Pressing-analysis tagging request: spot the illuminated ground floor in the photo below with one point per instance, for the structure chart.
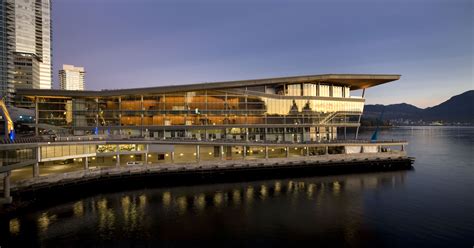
(67, 157)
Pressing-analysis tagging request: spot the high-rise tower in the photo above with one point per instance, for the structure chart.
(71, 78)
(25, 45)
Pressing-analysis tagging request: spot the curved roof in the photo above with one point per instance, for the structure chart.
(354, 81)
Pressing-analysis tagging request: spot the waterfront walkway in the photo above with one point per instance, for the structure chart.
(90, 174)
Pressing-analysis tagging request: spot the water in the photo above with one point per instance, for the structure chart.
(431, 206)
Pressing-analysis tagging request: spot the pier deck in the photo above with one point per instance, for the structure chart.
(327, 164)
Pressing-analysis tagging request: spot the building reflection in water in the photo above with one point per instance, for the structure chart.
(332, 200)
(14, 226)
(78, 208)
(44, 220)
(236, 198)
(106, 219)
(166, 199)
(200, 202)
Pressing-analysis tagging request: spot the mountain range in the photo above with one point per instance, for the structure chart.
(458, 109)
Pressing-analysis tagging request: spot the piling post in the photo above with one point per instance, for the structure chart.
(36, 169)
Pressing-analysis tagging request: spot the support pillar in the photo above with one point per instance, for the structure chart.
(146, 158)
(86, 163)
(36, 165)
(266, 152)
(221, 152)
(197, 153)
(360, 116)
(327, 150)
(287, 152)
(244, 151)
(172, 157)
(118, 157)
(403, 148)
(36, 117)
(307, 151)
(36, 169)
(6, 187)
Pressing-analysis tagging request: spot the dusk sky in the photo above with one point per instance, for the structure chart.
(144, 43)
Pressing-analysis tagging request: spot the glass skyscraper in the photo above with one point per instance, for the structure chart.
(25, 45)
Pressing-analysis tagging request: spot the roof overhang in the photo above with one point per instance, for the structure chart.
(354, 81)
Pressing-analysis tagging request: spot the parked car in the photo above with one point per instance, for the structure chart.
(134, 163)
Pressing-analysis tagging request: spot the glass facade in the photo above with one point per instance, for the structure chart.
(290, 112)
(55, 151)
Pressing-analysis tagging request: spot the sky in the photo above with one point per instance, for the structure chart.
(144, 43)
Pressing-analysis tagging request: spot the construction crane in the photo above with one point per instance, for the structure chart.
(9, 128)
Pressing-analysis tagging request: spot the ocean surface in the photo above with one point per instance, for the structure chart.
(430, 206)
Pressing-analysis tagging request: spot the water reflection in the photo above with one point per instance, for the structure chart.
(78, 208)
(14, 226)
(133, 213)
(44, 220)
(106, 219)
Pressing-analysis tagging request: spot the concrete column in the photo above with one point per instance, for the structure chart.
(6, 187)
(36, 165)
(266, 152)
(86, 163)
(172, 157)
(362, 149)
(287, 152)
(307, 151)
(36, 169)
(360, 116)
(244, 151)
(221, 152)
(146, 158)
(403, 148)
(197, 153)
(118, 156)
(327, 150)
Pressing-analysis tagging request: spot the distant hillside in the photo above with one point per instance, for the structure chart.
(393, 111)
(458, 108)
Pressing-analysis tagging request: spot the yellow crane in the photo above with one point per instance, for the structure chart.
(10, 131)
